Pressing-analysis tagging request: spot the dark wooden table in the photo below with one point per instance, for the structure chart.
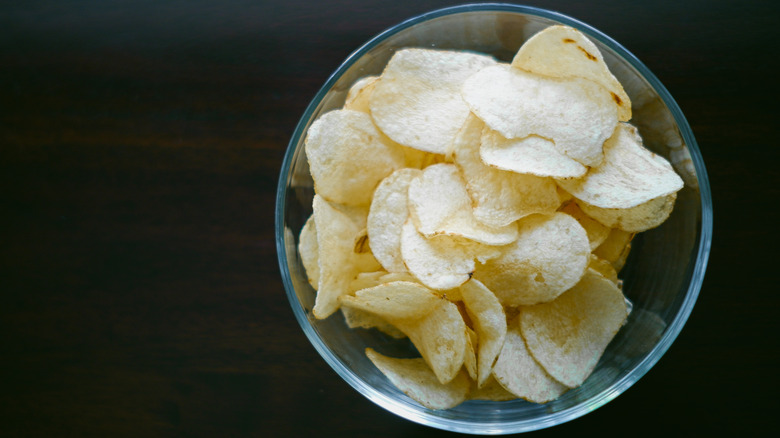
(140, 146)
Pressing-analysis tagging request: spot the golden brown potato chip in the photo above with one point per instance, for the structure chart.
(489, 321)
(470, 358)
(440, 337)
(387, 216)
(630, 175)
(417, 100)
(518, 104)
(597, 233)
(528, 155)
(568, 335)
(309, 251)
(519, 373)
(603, 267)
(562, 52)
(416, 380)
(348, 156)
(499, 197)
(615, 248)
(439, 204)
(549, 256)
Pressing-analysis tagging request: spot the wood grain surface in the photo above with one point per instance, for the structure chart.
(140, 147)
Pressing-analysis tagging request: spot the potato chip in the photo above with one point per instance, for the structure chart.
(439, 204)
(532, 155)
(364, 280)
(549, 256)
(519, 373)
(356, 318)
(491, 390)
(615, 248)
(629, 176)
(563, 52)
(634, 219)
(309, 251)
(386, 217)
(470, 357)
(597, 233)
(417, 101)
(489, 321)
(416, 380)
(396, 300)
(440, 337)
(348, 156)
(576, 114)
(603, 267)
(442, 262)
(499, 197)
(359, 94)
(567, 336)
(338, 263)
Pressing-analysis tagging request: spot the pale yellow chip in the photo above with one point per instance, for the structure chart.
(470, 357)
(490, 391)
(441, 262)
(597, 232)
(519, 373)
(309, 251)
(634, 219)
(364, 280)
(348, 156)
(417, 100)
(499, 197)
(603, 267)
(359, 94)
(567, 336)
(615, 248)
(630, 175)
(396, 300)
(338, 262)
(489, 321)
(531, 155)
(356, 318)
(578, 115)
(439, 204)
(387, 216)
(440, 337)
(561, 51)
(549, 256)
(415, 379)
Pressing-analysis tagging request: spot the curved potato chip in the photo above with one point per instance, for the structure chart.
(441, 262)
(417, 100)
(415, 379)
(489, 321)
(630, 175)
(348, 156)
(597, 233)
(470, 358)
(615, 248)
(356, 318)
(549, 256)
(518, 372)
(603, 267)
(491, 391)
(440, 204)
(533, 155)
(576, 114)
(386, 217)
(309, 251)
(440, 337)
(499, 197)
(396, 300)
(561, 52)
(359, 94)
(567, 336)
(634, 219)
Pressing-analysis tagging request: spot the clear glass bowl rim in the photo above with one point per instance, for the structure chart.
(618, 387)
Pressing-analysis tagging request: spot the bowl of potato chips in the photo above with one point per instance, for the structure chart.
(492, 219)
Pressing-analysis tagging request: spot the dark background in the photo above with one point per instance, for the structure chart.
(140, 146)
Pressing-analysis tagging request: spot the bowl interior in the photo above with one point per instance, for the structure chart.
(662, 276)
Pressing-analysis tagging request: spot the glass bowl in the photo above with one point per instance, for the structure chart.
(662, 276)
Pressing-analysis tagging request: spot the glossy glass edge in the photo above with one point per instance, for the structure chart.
(616, 388)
